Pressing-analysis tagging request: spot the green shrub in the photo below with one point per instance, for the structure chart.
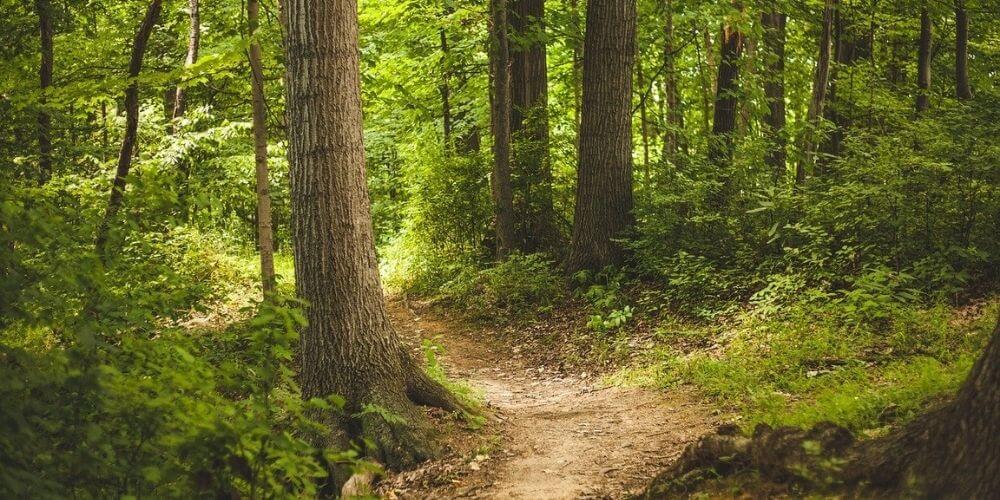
(516, 286)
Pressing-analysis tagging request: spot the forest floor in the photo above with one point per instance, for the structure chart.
(549, 434)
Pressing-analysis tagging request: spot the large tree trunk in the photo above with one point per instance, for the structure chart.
(924, 62)
(817, 104)
(774, 89)
(720, 151)
(604, 175)
(194, 37)
(962, 88)
(502, 190)
(529, 128)
(671, 89)
(265, 235)
(44, 10)
(131, 125)
(349, 346)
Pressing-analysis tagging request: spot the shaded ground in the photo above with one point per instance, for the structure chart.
(551, 435)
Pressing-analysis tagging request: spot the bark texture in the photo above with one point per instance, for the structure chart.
(924, 62)
(131, 125)
(774, 89)
(962, 88)
(604, 175)
(502, 189)
(194, 38)
(529, 128)
(43, 8)
(349, 347)
(265, 235)
(817, 103)
(724, 118)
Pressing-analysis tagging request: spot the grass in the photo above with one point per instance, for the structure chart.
(812, 364)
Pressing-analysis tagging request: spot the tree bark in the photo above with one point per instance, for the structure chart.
(817, 104)
(502, 190)
(962, 88)
(924, 62)
(724, 119)
(604, 176)
(265, 235)
(774, 89)
(43, 9)
(349, 346)
(194, 37)
(529, 126)
(671, 89)
(131, 126)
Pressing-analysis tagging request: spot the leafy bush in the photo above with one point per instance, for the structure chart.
(164, 417)
(514, 287)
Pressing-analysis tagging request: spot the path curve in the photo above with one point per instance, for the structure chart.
(562, 436)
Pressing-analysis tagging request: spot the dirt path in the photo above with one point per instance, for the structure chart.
(560, 437)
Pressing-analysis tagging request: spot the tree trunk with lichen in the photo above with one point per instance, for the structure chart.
(349, 347)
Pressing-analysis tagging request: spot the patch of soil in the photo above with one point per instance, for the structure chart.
(550, 434)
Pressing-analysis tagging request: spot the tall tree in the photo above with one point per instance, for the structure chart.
(773, 23)
(349, 346)
(820, 85)
(962, 88)
(671, 89)
(724, 119)
(604, 174)
(43, 8)
(924, 62)
(529, 127)
(194, 38)
(265, 236)
(131, 125)
(501, 188)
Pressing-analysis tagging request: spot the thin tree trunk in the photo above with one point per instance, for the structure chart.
(349, 346)
(774, 89)
(265, 235)
(444, 87)
(724, 118)
(643, 121)
(503, 198)
(131, 126)
(962, 88)
(577, 69)
(529, 127)
(817, 104)
(671, 90)
(604, 177)
(194, 37)
(44, 11)
(924, 62)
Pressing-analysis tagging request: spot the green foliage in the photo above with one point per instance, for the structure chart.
(171, 416)
(471, 397)
(515, 287)
(822, 362)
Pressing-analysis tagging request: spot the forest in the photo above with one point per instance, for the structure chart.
(499, 249)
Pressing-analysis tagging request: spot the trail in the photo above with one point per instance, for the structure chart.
(560, 436)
